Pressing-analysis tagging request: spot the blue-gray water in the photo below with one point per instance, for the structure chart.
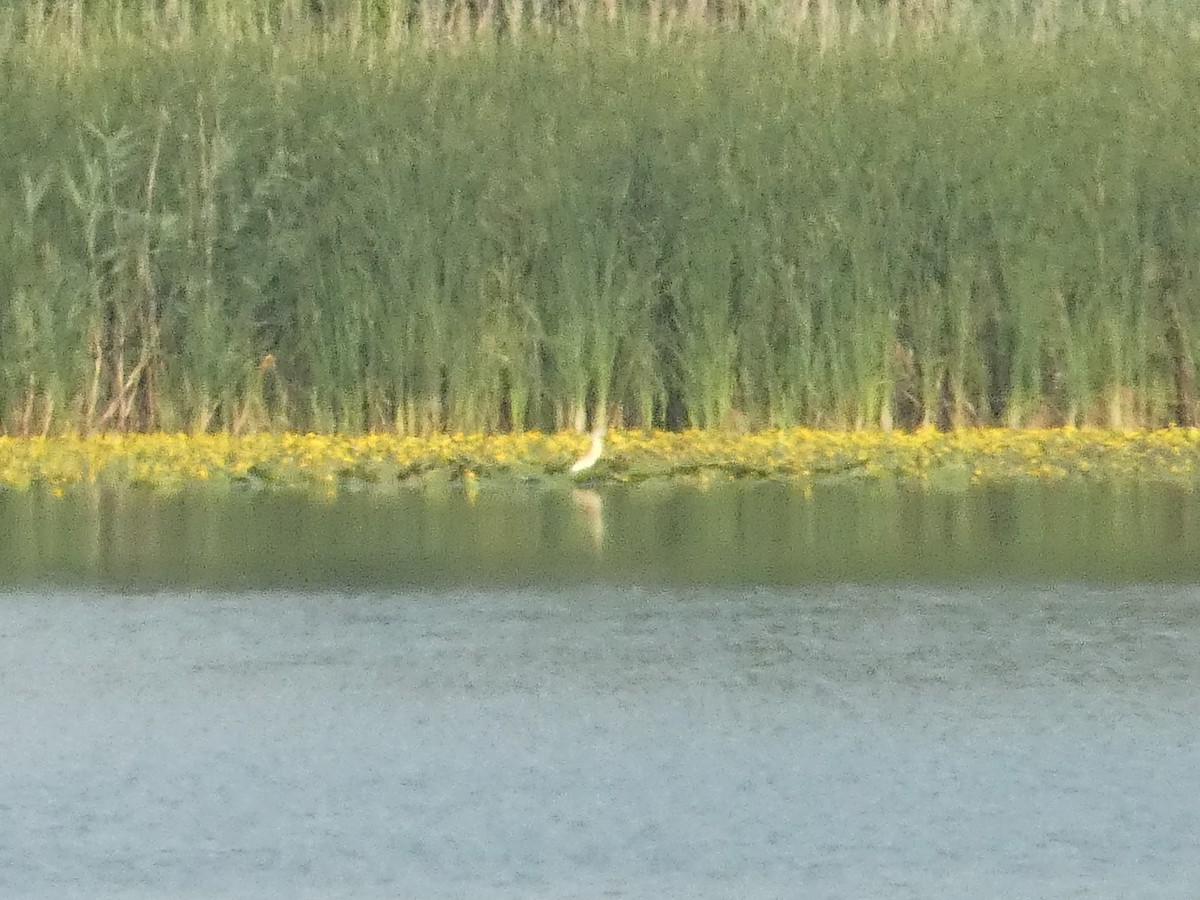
(829, 740)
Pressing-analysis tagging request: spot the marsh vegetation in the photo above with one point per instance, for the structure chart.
(417, 218)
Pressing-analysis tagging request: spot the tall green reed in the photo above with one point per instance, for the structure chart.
(217, 221)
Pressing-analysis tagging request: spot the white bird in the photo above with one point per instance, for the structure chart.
(594, 452)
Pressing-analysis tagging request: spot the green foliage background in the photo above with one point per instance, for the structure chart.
(388, 216)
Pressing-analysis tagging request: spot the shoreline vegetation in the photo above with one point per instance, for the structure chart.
(425, 219)
(333, 463)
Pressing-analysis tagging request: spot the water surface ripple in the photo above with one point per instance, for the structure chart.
(829, 741)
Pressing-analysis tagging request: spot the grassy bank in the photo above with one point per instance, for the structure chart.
(412, 220)
(331, 463)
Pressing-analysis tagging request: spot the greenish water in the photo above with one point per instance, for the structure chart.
(739, 533)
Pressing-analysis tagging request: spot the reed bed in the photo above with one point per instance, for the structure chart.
(424, 218)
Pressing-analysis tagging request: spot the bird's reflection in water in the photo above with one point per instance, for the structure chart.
(591, 505)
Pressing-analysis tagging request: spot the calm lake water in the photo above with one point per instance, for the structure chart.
(767, 533)
(673, 694)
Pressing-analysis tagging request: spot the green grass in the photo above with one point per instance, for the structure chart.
(397, 217)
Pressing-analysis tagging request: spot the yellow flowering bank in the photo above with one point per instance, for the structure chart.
(332, 462)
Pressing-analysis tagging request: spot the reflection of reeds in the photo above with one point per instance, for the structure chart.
(591, 507)
(447, 218)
